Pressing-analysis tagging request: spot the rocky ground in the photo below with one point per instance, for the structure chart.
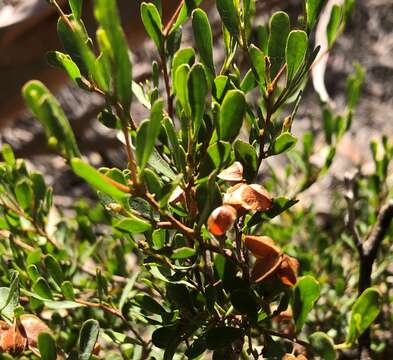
(368, 40)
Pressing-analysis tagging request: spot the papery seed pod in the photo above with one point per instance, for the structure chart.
(233, 173)
(265, 267)
(288, 270)
(33, 326)
(248, 197)
(261, 246)
(221, 220)
(14, 340)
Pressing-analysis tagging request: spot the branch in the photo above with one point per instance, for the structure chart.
(385, 216)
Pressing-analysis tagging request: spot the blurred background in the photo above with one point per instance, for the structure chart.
(28, 31)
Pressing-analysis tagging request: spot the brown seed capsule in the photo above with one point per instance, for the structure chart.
(261, 246)
(233, 173)
(221, 220)
(33, 326)
(248, 197)
(288, 270)
(14, 340)
(265, 267)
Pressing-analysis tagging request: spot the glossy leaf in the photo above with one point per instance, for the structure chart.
(152, 21)
(246, 154)
(322, 345)
(295, 52)
(364, 311)
(203, 38)
(64, 61)
(258, 63)
(47, 347)
(88, 337)
(334, 24)
(232, 112)
(197, 93)
(133, 225)
(279, 29)
(306, 293)
(229, 16)
(48, 111)
(313, 8)
(97, 180)
(283, 143)
(147, 134)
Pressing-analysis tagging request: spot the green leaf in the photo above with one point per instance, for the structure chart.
(87, 339)
(283, 143)
(258, 63)
(85, 53)
(364, 311)
(133, 225)
(322, 345)
(203, 38)
(182, 56)
(249, 82)
(160, 165)
(66, 36)
(147, 134)
(68, 290)
(148, 304)
(152, 21)
(24, 194)
(222, 336)
(217, 155)
(9, 300)
(64, 61)
(163, 336)
(54, 269)
(8, 155)
(48, 111)
(232, 112)
(183, 253)
(47, 347)
(42, 289)
(97, 180)
(295, 52)
(306, 293)
(246, 154)
(336, 18)
(313, 8)
(76, 8)
(229, 16)
(197, 93)
(108, 18)
(279, 26)
(181, 87)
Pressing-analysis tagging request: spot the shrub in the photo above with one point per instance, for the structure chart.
(187, 255)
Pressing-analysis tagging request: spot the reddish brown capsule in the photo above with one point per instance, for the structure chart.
(233, 173)
(261, 246)
(288, 270)
(248, 197)
(221, 220)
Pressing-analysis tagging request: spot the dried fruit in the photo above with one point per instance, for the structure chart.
(233, 173)
(22, 334)
(288, 270)
(33, 326)
(14, 340)
(221, 220)
(261, 246)
(248, 197)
